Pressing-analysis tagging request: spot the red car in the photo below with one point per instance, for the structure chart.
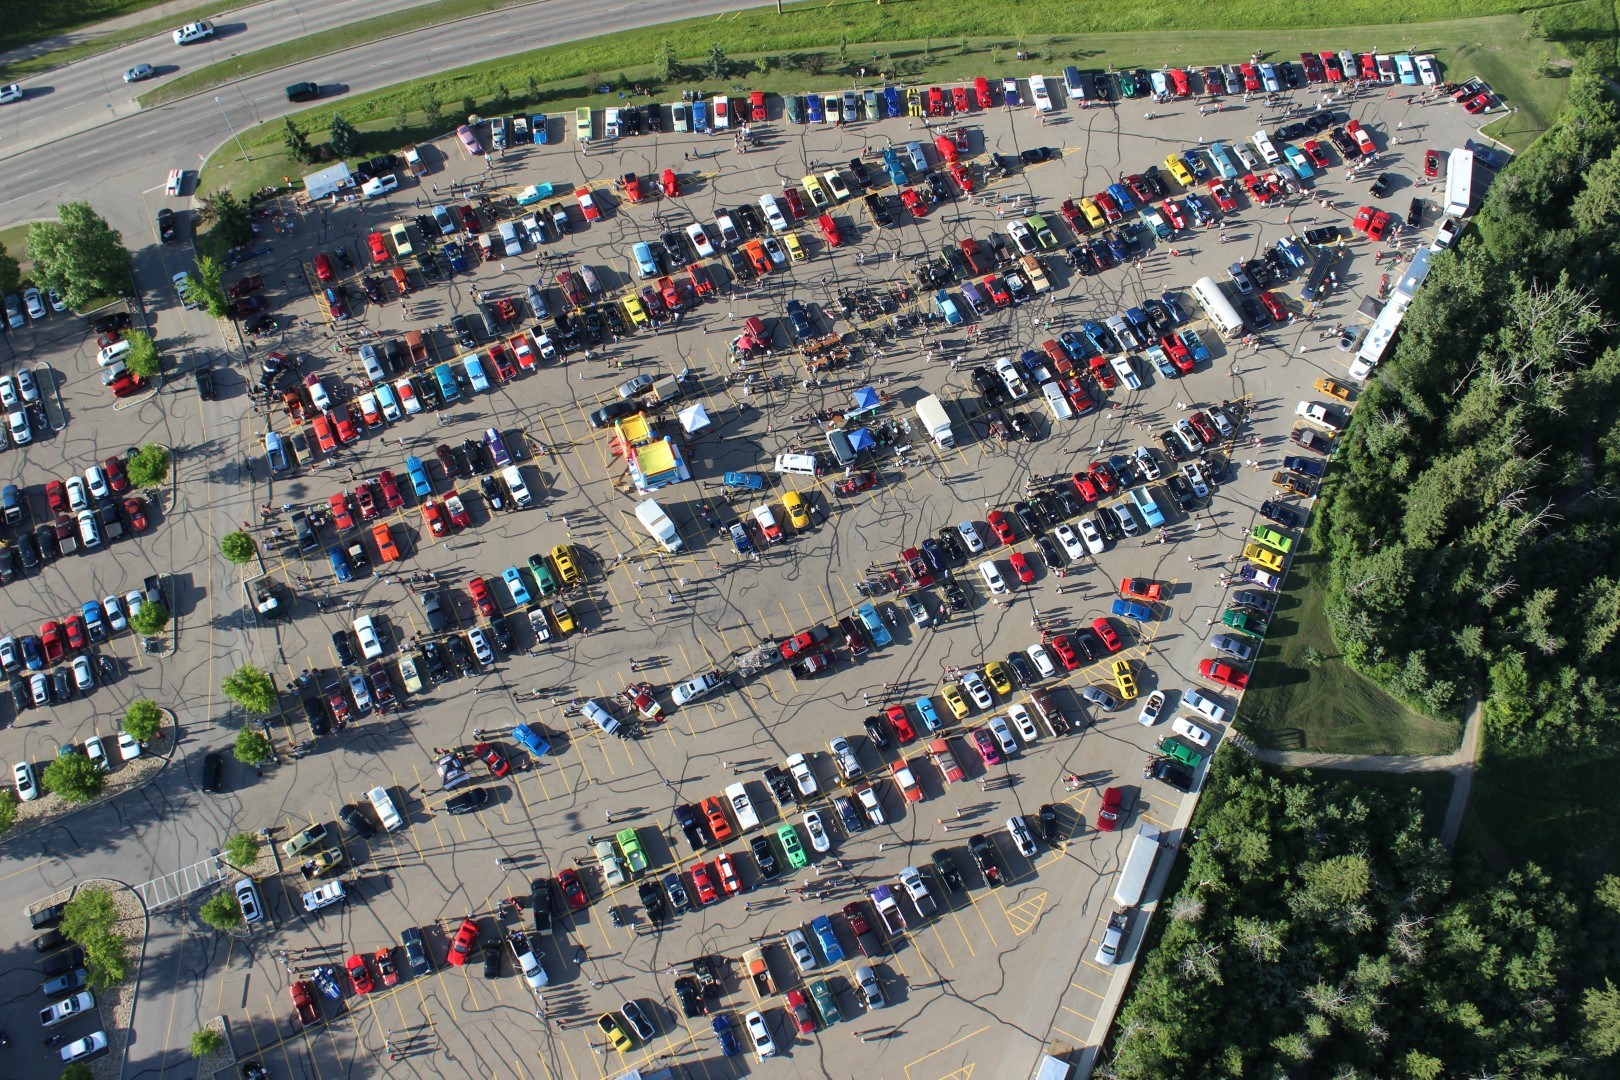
(1431, 163)
(1086, 488)
(1113, 810)
(997, 289)
(1139, 188)
(1314, 151)
(360, 975)
(829, 229)
(56, 496)
(437, 524)
(1021, 567)
(1378, 225)
(1179, 82)
(346, 431)
(366, 500)
(1173, 214)
(1107, 205)
(1075, 388)
(730, 883)
(573, 889)
(1067, 655)
(457, 510)
(462, 947)
(76, 638)
(703, 884)
(390, 490)
(116, 478)
(136, 509)
(670, 183)
(342, 519)
(1251, 77)
(587, 203)
(1103, 476)
(913, 202)
(1105, 630)
(631, 183)
(963, 177)
(1179, 356)
(1223, 197)
(1225, 674)
(338, 702)
(1257, 189)
(1001, 525)
(854, 485)
(799, 1006)
(795, 202)
(959, 99)
(903, 731)
(937, 102)
(1204, 429)
(384, 959)
(1274, 306)
(1071, 213)
(918, 566)
(1363, 218)
(947, 148)
(323, 268)
(1103, 372)
(756, 106)
(498, 765)
(379, 247)
(715, 814)
(981, 91)
(482, 598)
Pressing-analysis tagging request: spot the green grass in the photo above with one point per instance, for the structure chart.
(565, 75)
(322, 44)
(70, 16)
(1326, 706)
(15, 240)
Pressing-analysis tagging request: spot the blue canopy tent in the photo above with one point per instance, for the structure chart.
(861, 439)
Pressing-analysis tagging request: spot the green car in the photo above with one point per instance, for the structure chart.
(825, 1005)
(315, 834)
(1242, 620)
(544, 579)
(1273, 539)
(635, 858)
(1043, 232)
(1127, 84)
(1179, 751)
(789, 838)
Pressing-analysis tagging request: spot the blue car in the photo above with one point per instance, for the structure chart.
(1292, 252)
(514, 585)
(1121, 195)
(537, 128)
(827, 937)
(740, 539)
(1173, 306)
(874, 625)
(1074, 346)
(531, 740)
(1130, 609)
(1199, 209)
(925, 709)
(802, 327)
(812, 104)
(94, 624)
(729, 1046)
(745, 480)
(419, 477)
(32, 656)
(891, 101)
(948, 308)
(1195, 345)
(1199, 165)
(340, 564)
(458, 261)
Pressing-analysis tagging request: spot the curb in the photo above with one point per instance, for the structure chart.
(140, 963)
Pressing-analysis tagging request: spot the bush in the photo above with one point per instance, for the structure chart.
(142, 358)
(250, 688)
(252, 748)
(78, 1071)
(143, 720)
(222, 912)
(8, 810)
(242, 850)
(74, 777)
(151, 618)
(238, 547)
(148, 467)
(206, 1042)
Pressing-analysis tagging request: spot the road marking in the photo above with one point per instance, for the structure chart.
(947, 1046)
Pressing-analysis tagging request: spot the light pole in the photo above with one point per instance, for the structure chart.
(232, 126)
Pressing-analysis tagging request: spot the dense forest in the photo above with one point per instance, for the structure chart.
(1319, 933)
(1473, 520)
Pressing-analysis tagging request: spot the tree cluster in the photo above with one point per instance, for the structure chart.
(88, 922)
(1319, 932)
(1473, 524)
(79, 255)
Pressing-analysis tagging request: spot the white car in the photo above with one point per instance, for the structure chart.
(89, 1046)
(1148, 464)
(804, 957)
(916, 887)
(773, 213)
(1071, 543)
(834, 181)
(1042, 659)
(1010, 378)
(970, 536)
(26, 386)
(803, 778)
(764, 1046)
(1093, 538)
(482, 649)
(78, 496)
(128, 748)
(89, 531)
(1317, 413)
(370, 644)
(191, 32)
(387, 812)
(1004, 737)
(324, 896)
(1038, 94)
(115, 614)
(1446, 234)
(9, 397)
(9, 93)
(1023, 839)
(139, 73)
(23, 773)
(1201, 703)
(1127, 371)
(318, 396)
(693, 689)
(17, 426)
(1152, 709)
(1190, 731)
(973, 685)
(700, 240)
(379, 185)
(817, 831)
(992, 576)
(607, 857)
(66, 1009)
(1024, 722)
(534, 973)
(247, 898)
(844, 758)
(84, 680)
(867, 796)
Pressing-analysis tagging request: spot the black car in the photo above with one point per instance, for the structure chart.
(935, 553)
(945, 867)
(1019, 662)
(1087, 645)
(679, 901)
(940, 187)
(465, 334)
(687, 989)
(1181, 491)
(1414, 213)
(750, 219)
(416, 954)
(1026, 517)
(46, 917)
(1323, 236)
(1155, 182)
(493, 958)
(204, 377)
(315, 713)
(764, 856)
(990, 387)
(652, 897)
(472, 452)
(1347, 146)
(1037, 154)
(863, 176)
(878, 731)
(1252, 598)
(1107, 521)
(879, 209)
(691, 823)
(45, 537)
(61, 963)
(1282, 514)
(951, 541)
(1380, 186)
(213, 771)
(28, 550)
(781, 785)
(9, 571)
(1080, 258)
(109, 323)
(355, 818)
(1319, 122)
(674, 249)
(49, 940)
(989, 862)
(343, 645)
(373, 288)
(459, 654)
(1047, 505)
(1291, 131)
(468, 801)
(956, 597)
(1168, 772)
(1048, 823)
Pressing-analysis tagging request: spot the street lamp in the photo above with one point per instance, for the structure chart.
(232, 126)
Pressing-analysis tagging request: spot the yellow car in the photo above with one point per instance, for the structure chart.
(795, 247)
(634, 310)
(562, 556)
(818, 194)
(953, 697)
(1333, 389)
(798, 511)
(615, 1033)
(1094, 216)
(402, 240)
(562, 618)
(1124, 679)
(1178, 169)
(914, 103)
(996, 672)
(1263, 557)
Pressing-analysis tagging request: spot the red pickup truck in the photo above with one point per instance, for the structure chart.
(304, 1004)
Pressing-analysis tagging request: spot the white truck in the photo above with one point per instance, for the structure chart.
(1133, 875)
(931, 411)
(1459, 182)
(658, 524)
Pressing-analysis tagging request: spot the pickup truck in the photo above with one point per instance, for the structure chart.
(304, 1004)
(866, 939)
(153, 585)
(1305, 466)
(754, 961)
(984, 853)
(888, 909)
(1141, 589)
(417, 346)
(414, 163)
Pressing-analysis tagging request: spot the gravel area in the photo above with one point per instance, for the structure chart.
(225, 1059)
(125, 776)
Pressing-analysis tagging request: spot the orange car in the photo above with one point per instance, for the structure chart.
(434, 516)
(719, 825)
(387, 550)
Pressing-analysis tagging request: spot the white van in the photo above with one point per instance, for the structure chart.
(1057, 401)
(742, 806)
(515, 485)
(797, 464)
(386, 812)
(658, 524)
(509, 237)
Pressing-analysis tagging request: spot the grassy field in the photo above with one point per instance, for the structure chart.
(1559, 809)
(13, 13)
(15, 240)
(321, 44)
(1326, 706)
(565, 75)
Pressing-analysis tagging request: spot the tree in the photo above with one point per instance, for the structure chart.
(74, 777)
(80, 255)
(813, 63)
(222, 912)
(242, 850)
(432, 105)
(663, 65)
(148, 467)
(142, 358)
(250, 688)
(143, 720)
(107, 959)
(207, 289)
(77, 1071)
(469, 106)
(206, 1043)
(532, 82)
(252, 748)
(8, 810)
(718, 64)
(152, 617)
(10, 273)
(238, 547)
(296, 142)
(229, 216)
(344, 136)
(502, 98)
(89, 915)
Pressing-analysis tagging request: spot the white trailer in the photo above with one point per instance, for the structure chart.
(1459, 182)
(1133, 875)
(1217, 307)
(931, 411)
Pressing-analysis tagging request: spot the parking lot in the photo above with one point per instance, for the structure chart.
(1002, 972)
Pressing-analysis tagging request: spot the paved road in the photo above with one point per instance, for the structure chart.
(111, 149)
